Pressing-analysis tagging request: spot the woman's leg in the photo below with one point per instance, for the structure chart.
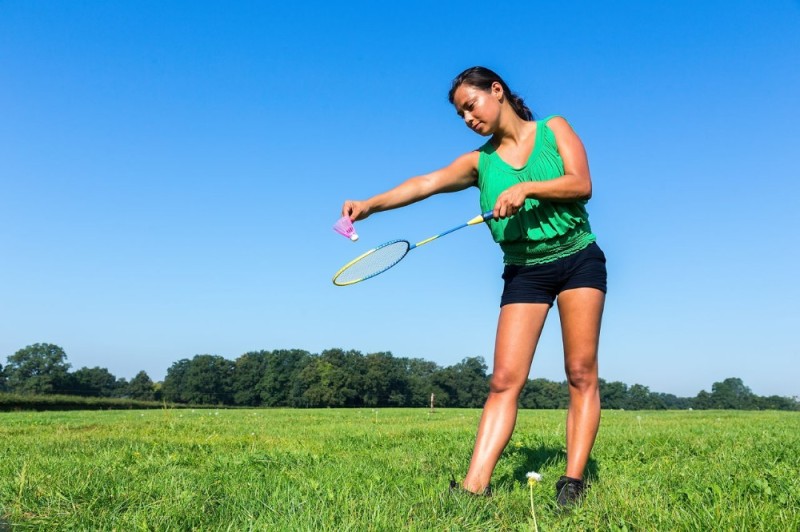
(581, 311)
(518, 330)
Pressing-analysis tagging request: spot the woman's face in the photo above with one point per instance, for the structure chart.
(479, 109)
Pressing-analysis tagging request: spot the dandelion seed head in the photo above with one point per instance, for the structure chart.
(533, 477)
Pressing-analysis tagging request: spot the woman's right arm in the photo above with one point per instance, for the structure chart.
(458, 175)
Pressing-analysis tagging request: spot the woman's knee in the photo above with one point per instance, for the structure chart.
(582, 376)
(505, 381)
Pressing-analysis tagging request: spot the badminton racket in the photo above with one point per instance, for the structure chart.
(383, 257)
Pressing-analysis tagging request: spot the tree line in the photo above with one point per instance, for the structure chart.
(338, 378)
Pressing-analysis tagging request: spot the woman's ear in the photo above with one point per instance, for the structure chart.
(498, 92)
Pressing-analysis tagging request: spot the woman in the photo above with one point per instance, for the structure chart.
(534, 176)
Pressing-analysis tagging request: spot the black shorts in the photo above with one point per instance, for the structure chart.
(541, 283)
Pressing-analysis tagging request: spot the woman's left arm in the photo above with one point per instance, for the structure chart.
(574, 185)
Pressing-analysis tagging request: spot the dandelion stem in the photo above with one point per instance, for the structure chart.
(533, 513)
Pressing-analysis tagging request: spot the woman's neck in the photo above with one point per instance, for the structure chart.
(512, 131)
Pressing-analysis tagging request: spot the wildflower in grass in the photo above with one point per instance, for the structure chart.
(533, 478)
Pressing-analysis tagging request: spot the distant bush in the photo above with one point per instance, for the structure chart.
(13, 401)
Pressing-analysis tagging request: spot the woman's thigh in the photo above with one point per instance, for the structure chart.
(518, 331)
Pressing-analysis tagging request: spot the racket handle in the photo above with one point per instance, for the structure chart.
(481, 218)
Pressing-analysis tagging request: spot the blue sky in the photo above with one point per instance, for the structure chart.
(170, 172)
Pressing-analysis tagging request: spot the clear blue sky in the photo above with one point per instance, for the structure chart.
(170, 172)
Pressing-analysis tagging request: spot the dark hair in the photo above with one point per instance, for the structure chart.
(482, 78)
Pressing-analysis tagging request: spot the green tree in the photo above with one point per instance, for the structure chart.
(673, 402)
(37, 369)
(544, 394)
(209, 380)
(3, 386)
(465, 385)
(421, 383)
(334, 378)
(474, 383)
(385, 381)
(92, 382)
(446, 380)
(613, 394)
(776, 402)
(174, 388)
(121, 388)
(732, 394)
(280, 384)
(702, 401)
(249, 370)
(141, 387)
(640, 398)
(158, 390)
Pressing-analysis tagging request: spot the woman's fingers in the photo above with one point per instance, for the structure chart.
(356, 210)
(510, 201)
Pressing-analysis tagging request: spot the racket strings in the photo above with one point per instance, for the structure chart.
(371, 264)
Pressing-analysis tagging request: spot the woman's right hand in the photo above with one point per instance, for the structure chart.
(356, 210)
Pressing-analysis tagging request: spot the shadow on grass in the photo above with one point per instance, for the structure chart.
(537, 458)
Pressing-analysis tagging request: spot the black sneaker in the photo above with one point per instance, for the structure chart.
(455, 487)
(569, 491)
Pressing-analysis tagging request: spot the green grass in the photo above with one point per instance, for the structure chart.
(388, 470)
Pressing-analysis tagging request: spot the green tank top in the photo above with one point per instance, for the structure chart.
(542, 231)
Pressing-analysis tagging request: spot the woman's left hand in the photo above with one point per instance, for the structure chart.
(510, 201)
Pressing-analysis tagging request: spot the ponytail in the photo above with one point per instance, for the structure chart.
(518, 104)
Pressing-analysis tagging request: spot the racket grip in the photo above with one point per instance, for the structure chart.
(488, 215)
(480, 218)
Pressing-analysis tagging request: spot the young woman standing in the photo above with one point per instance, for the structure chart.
(534, 176)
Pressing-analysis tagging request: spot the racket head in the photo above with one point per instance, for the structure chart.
(372, 263)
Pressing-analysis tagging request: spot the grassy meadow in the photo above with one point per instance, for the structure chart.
(389, 469)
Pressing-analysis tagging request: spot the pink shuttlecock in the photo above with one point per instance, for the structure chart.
(344, 227)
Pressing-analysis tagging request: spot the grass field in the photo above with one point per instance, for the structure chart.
(388, 470)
